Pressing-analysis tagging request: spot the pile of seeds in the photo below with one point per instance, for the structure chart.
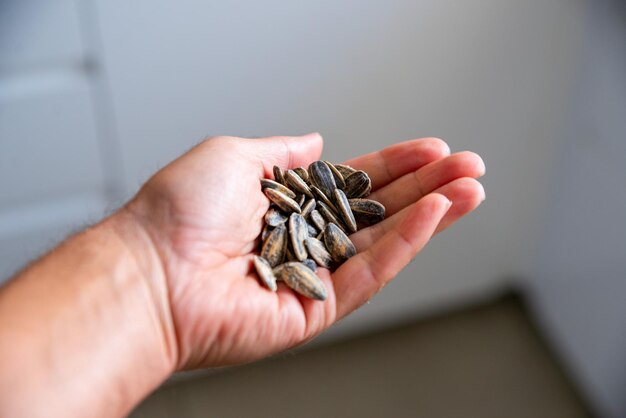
(307, 224)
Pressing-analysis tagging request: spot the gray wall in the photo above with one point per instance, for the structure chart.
(97, 95)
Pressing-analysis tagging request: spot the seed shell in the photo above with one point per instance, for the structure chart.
(298, 232)
(322, 177)
(318, 252)
(274, 217)
(275, 245)
(338, 243)
(337, 175)
(282, 200)
(317, 220)
(304, 175)
(358, 184)
(308, 207)
(321, 197)
(266, 232)
(367, 211)
(278, 175)
(264, 270)
(295, 182)
(345, 170)
(271, 184)
(301, 279)
(343, 206)
(330, 216)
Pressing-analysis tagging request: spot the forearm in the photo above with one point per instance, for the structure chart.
(86, 330)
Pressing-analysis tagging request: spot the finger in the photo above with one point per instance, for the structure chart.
(357, 280)
(464, 193)
(386, 165)
(413, 186)
(286, 151)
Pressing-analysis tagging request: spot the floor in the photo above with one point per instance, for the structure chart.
(484, 361)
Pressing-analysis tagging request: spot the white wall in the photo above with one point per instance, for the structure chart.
(578, 282)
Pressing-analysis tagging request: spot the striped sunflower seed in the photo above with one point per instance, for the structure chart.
(337, 175)
(282, 200)
(367, 211)
(317, 220)
(308, 207)
(274, 217)
(271, 184)
(275, 245)
(338, 243)
(304, 175)
(302, 279)
(278, 175)
(343, 207)
(345, 170)
(318, 252)
(321, 197)
(329, 215)
(322, 177)
(264, 270)
(298, 232)
(295, 182)
(358, 184)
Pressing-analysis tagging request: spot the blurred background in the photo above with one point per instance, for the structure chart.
(519, 310)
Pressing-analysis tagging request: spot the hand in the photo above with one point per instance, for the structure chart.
(204, 212)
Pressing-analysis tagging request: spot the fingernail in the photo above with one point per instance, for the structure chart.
(312, 134)
(483, 169)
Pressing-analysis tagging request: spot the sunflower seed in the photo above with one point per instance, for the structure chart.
(343, 206)
(322, 177)
(345, 170)
(338, 243)
(301, 279)
(337, 175)
(295, 182)
(274, 217)
(318, 252)
(330, 215)
(271, 184)
(264, 270)
(298, 232)
(325, 197)
(301, 199)
(308, 207)
(304, 175)
(282, 200)
(367, 211)
(320, 196)
(289, 255)
(311, 264)
(278, 175)
(266, 232)
(317, 220)
(275, 245)
(358, 184)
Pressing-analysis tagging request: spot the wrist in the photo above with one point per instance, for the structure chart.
(149, 283)
(89, 325)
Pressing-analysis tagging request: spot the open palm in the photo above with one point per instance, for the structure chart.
(204, 213)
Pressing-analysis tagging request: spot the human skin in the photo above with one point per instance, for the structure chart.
(165, 284)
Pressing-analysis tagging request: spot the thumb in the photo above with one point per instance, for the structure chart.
(287, 151)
